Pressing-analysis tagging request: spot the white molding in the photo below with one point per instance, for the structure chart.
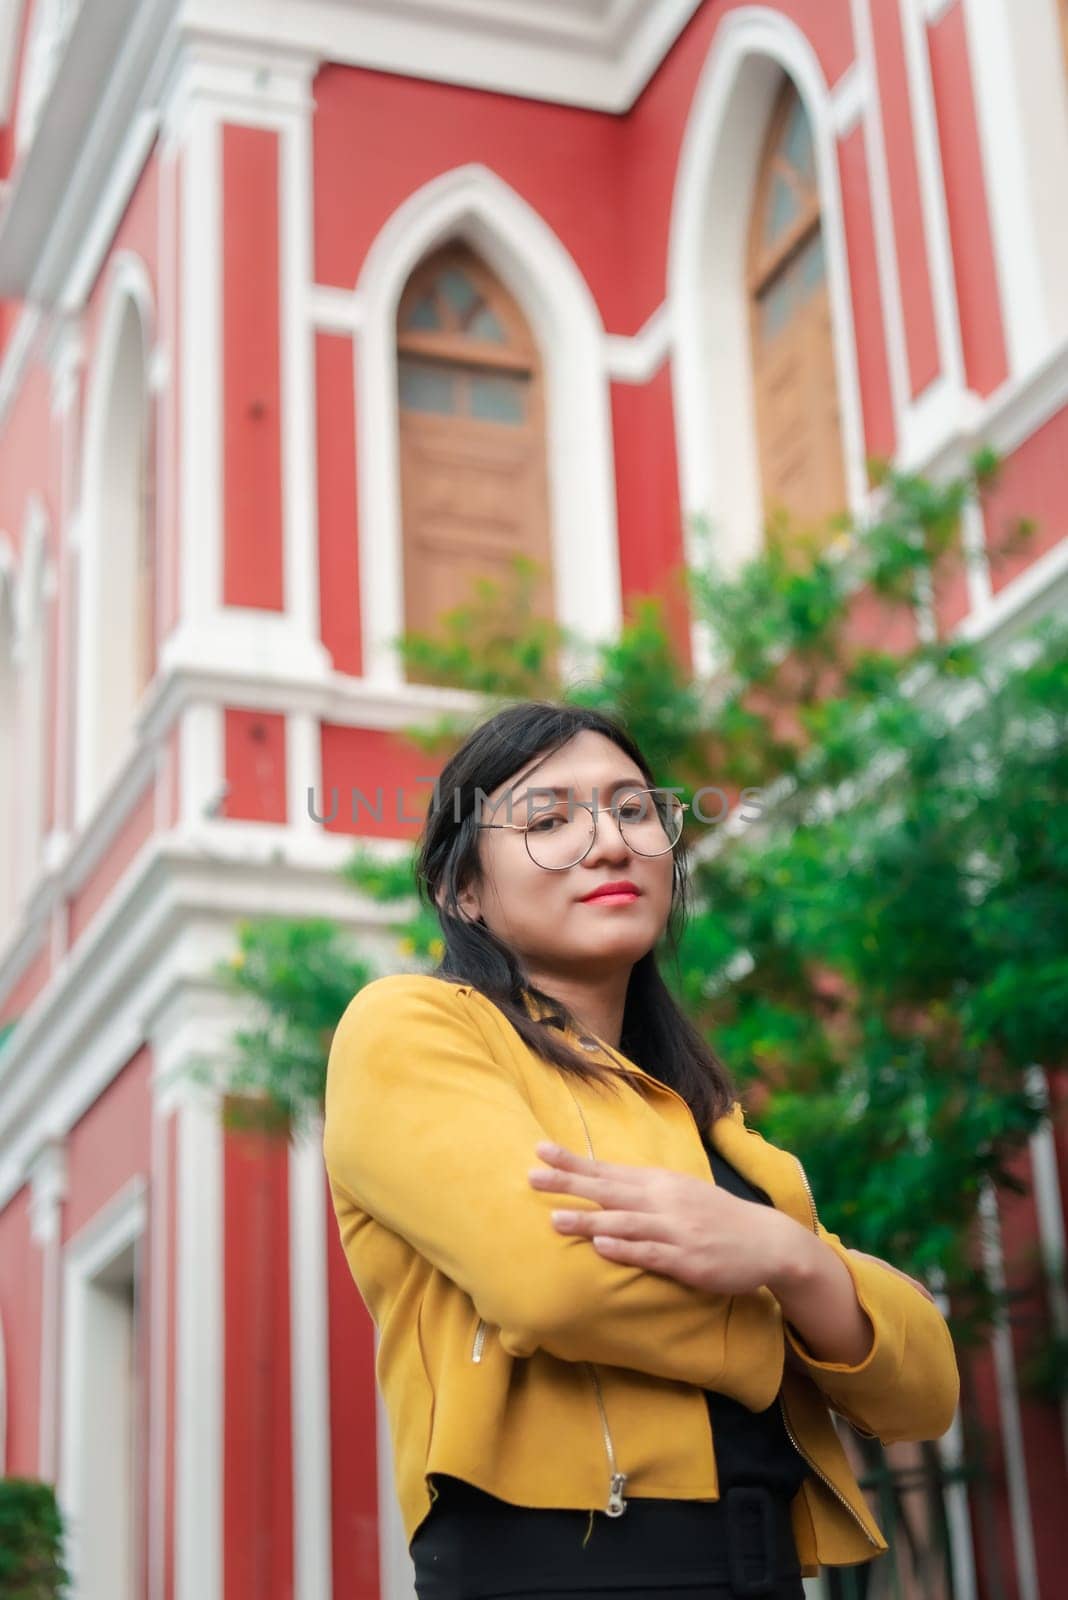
(712, 372)
(883, 221)
(11, 13)
(474, 203)
(18, 353)
(311, 1377)
(394, 1559)
(582, 52)
(297, 370)
(125, 175)
(639, 357)
(1049, 1208)
(119, 1223)
(128, 292)
(200, 1309)
(935, 10)
(932, 192)
(159, 1336)
(1017, 68)
(849, 98)
(49, 1188)
(1015, 1455)
(334, 310)
(200, 390)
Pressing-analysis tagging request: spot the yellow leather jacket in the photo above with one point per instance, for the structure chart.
(434, 1106)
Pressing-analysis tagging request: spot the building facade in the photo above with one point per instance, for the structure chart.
(312, 310)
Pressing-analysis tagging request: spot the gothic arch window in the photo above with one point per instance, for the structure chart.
(118, 576)
(474, 482)
(795, 388)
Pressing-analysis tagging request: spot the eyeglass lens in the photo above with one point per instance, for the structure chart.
(650, 823)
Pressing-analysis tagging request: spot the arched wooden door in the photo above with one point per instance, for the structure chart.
(794, 380)
(472, 438)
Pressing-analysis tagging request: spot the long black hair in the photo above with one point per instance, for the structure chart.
(656, 1033)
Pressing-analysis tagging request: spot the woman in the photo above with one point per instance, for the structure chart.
(633, 1397)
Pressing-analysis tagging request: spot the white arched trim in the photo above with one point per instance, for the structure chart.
(473, 204)
(712, 369)
(128, 292)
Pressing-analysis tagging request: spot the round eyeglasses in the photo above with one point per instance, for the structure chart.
(561, 835)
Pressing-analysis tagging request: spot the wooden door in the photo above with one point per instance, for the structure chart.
(472, 438)
(794, 380)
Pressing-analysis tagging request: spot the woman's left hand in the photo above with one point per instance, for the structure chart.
(686, 1228)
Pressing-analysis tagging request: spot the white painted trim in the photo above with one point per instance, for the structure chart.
(935, 10)
(600, 57)
(49, 1185)
(128, 292)
(304, 768)
(932, 193)
(160, 1290)
(849, 98)
(474, 203)
(712, 374)
(882, 217)
(638, 358)
(1040, 588)
(200, 386)
(1017, 68)
(297, 371)
(10, 24)
(395, 1567)
(119, 1223)
(951, 1450)
(17, 355)
(334, 310)
(125, 176)
(199, 1304)
(1015, 1456)
(1049, 1206)
(311, 1388)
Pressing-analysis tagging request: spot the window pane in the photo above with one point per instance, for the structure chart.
(797, 143)
(776, 305)
(458, 291)
(811, 265)
(498, 397)
(484, 325)
(782, 210)
(424, 314)
(426, 387)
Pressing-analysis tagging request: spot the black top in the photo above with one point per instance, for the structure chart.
(485, 1541)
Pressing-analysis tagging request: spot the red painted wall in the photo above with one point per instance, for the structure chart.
(979, 307)
(257, 1467)
(912, 260)
(1032, 483)
(111, 1143)
(252, 436)
(21, 1286)
(337, 465)
(255, 765)
(353, 1426)
(880, 439)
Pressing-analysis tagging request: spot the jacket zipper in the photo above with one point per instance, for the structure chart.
(838, 1495)
(616, 1480)
(808, 1191)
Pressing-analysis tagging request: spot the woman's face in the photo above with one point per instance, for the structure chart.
(544, 915)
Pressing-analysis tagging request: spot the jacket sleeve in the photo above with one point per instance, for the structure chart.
(908, 1385)
(428, 1132)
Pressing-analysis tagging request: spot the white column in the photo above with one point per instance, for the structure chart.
(48, 1190)
(310, 1369)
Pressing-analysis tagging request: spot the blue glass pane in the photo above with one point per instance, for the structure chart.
(484, 325)
(776, 305)
(782, 210)
(797, 143)
(425, 387)
(424, 314)
(498, 397)
(458, 291)
(811, 265)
